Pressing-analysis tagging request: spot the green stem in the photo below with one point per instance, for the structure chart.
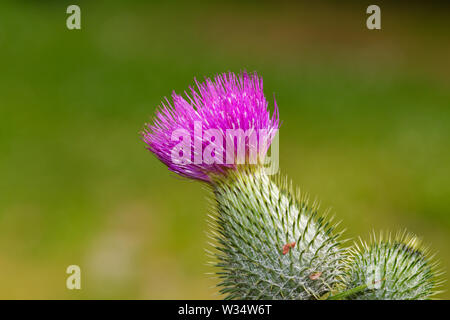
(347, 293)
(352, 291)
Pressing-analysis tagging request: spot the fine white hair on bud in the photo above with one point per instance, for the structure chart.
(271, 243)
(392, 268)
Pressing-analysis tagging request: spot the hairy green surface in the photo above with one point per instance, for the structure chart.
(254, 218)
(392, 270)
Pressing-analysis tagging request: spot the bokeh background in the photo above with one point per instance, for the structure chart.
(366, 129)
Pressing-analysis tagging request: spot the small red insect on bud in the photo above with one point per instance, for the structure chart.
(288, 246)
(315, 275)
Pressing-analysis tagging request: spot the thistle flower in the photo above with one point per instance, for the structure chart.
(216, 107)
(269, 242)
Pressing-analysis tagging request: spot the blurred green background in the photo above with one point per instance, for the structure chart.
(366, 129)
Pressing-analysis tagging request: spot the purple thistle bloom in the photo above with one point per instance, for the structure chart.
(228, 102)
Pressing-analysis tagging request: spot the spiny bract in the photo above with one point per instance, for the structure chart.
(272, 245)
(392, 269)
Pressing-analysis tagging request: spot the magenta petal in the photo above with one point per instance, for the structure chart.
(227, 102)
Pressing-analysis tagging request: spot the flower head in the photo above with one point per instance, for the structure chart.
(201, 134)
